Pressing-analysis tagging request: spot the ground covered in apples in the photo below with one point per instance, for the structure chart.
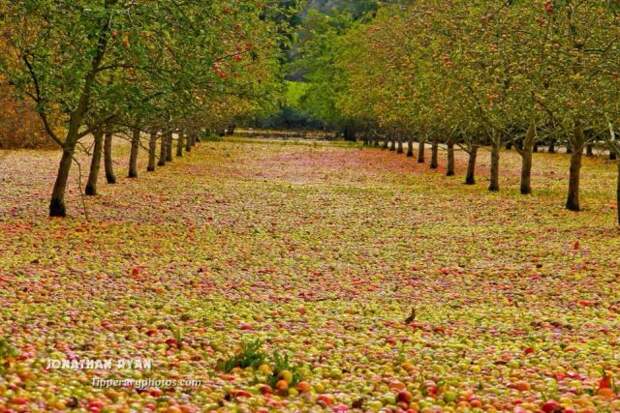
(283, 276)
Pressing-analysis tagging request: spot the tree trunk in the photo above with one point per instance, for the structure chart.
(535, 149)
(421, 152)
(392, 145)
(57, 203)
(162, 149)
(613, 156)
(471, 166)
(95, 165)
(590, 150)
(572, 201)
(180, 144)
(169, 142)
(152, 151)
(495, 149)
(189, 141)
(349, 134)
(400, 146)
(526, 160)
(133, 155)
(409, 148)
(385, 144)
(552, 146)
(107, 159)
(509, 146)
(450, 170)
(435, 155)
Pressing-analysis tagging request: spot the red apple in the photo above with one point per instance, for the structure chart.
(550, 406)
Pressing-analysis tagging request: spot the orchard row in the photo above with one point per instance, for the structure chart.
(477, 73)
(105, 68)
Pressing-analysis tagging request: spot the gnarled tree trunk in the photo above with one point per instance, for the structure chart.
(95, 165)
(470, 179)
(57, 203)
(107, 159)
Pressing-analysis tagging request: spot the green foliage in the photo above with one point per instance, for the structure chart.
(411, 68)
(179, 334)
(318, 51)
(293, 112)
(250, 355)
(281, 364)
(294, 93)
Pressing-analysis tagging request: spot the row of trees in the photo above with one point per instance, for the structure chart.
(149, 70)
(473, 73)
